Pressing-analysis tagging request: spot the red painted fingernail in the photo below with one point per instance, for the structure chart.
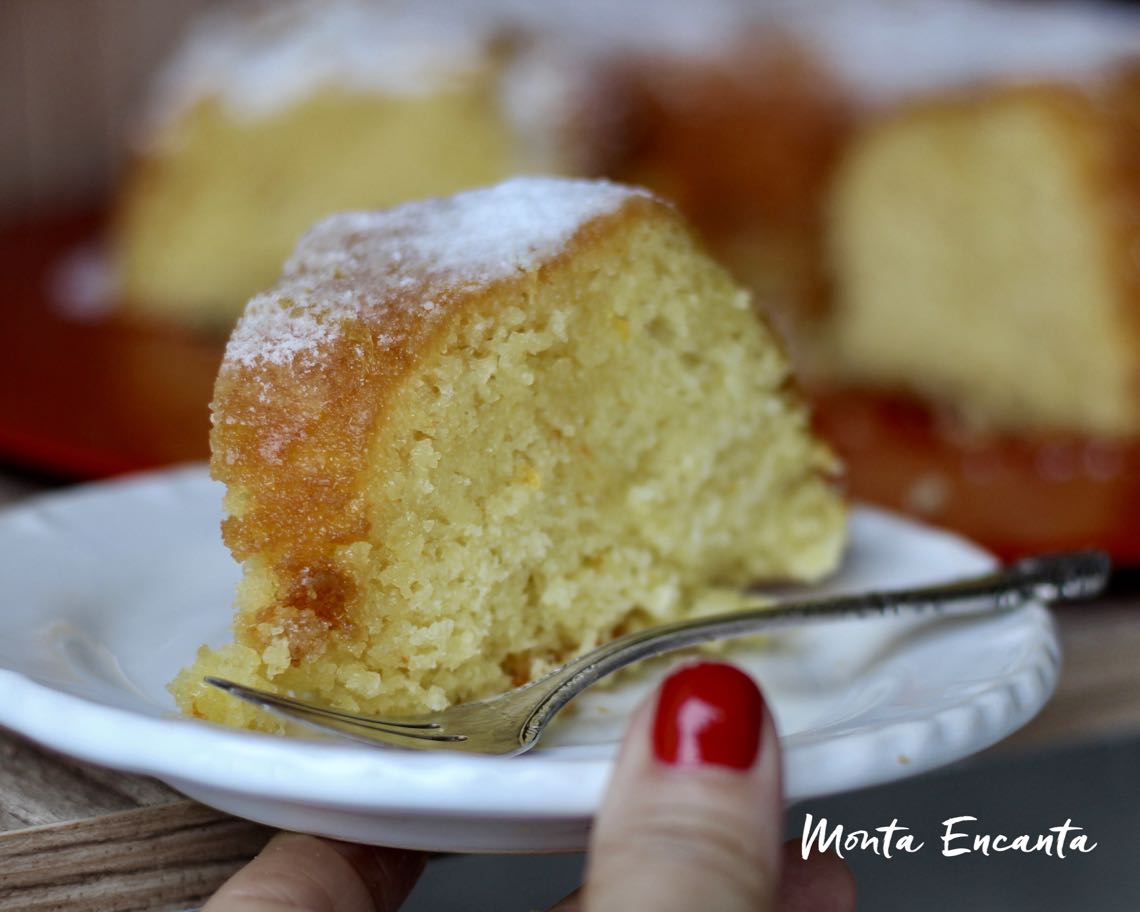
(708, 713)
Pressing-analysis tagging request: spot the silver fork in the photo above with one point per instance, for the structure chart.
(512, 722)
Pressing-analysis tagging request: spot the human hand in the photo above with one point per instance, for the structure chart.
(692, 819)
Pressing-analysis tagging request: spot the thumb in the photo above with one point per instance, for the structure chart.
(693, 817)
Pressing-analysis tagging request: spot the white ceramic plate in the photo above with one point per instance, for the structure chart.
(108, 590)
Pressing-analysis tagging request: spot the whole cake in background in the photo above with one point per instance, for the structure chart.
(466, 439)
(272, 115)
(762, 120)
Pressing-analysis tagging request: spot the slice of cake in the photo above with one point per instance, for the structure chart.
(467, 439)
(986, 246)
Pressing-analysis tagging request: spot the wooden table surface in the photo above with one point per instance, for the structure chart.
(78, 837)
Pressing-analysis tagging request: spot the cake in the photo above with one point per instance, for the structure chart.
(981, 356)
(466, 439)
(987, 247)
(266, 121)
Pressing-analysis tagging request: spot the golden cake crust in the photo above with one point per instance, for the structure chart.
(300, 398)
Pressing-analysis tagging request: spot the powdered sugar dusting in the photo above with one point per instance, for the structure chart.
(397, 268)
(477, 237)
(276, 329)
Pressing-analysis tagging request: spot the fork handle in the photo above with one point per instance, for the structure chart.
(1050, 578)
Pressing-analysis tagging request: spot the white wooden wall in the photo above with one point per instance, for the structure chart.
(72, 75)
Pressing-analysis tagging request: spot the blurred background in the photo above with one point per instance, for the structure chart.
(73, 77)
(937, 201)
